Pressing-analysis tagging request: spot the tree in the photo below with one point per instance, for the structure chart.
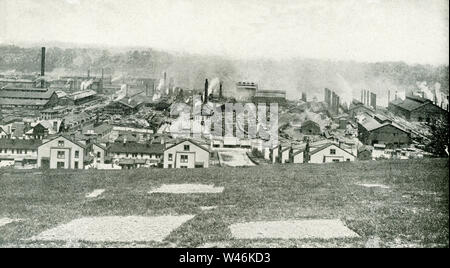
(438, 137)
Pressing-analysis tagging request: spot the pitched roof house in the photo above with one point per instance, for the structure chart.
(186, 154)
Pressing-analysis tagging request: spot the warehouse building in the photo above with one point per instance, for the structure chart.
(33, 98)
(417, 109)
(270, 96)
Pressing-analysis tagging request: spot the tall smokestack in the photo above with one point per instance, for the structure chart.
(368, 98)
(42, 67)
(373, 100)
(362, 98)
(205, 100)
(338, 103)
(389, 97)
(88, 73)
(220, 90)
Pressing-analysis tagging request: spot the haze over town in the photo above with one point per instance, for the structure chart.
(366, 31)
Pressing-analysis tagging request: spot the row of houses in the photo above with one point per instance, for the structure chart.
(64, 152)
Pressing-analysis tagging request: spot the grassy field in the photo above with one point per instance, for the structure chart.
(413, 212)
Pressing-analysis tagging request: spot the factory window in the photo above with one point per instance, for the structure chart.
(335, 160)
(186, 147)
(77, 154)
(99, 154)
(333, 151)
(170, 157)
(183, 167)
(61, 143)
(184, 159)
(60, 165)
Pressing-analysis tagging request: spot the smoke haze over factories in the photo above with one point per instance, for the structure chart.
(295, 76)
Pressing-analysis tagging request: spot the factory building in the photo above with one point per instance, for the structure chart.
(270, 96)
(78, 98)
(378, 129)
(417, 109)
(357, 108)
(245, 91)
(34, 98)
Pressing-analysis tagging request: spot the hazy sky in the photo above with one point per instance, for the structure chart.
(415, 31)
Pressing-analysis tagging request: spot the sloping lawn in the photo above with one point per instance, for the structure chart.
(411, 211)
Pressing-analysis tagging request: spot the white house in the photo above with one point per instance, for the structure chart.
(99, 153)
(285, 154)
(330, 153)
(61, 153)
(186, 154)
(298, 156)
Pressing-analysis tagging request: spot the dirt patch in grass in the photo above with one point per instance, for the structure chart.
(373, 185)
(208, 208)
(292, 229)
(95, 193)
(115, 229)
(5, 221)
(187, 189)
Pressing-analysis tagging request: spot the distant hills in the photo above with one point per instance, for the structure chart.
(298, 75)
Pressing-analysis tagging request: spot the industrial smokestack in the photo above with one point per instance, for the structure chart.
(42, 67)
(373, 100)
(362, 98)
(338, 103)
(88, 73)
(304, 98)
(205, 100)
(389, 97)
(220, 90)
(368, 98)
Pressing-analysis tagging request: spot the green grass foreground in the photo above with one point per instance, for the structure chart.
(414, 212)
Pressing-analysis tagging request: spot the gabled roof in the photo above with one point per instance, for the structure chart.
(357, 104)
(409, 104)
(310, 122)
(326, 146)
(66, 138)
(184, 140)
(100, 146)
(371, 124)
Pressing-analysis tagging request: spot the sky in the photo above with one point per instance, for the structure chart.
(413, 31)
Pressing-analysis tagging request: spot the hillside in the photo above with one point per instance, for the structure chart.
(409, 210)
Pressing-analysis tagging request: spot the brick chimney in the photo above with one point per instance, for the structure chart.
(205, 100)
(42, 67)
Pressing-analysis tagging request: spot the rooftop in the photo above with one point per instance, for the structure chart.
(20, 144)
(137, 148)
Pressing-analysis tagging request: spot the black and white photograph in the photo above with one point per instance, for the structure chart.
(232, 126)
